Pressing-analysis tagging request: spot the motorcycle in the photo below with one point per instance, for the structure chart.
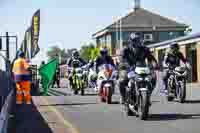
(92, 78)
(106, 80)
(78, 79)
(177, 83)
(139, 92)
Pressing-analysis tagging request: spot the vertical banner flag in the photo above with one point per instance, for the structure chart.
(28, 43)
(23, 48)
(35, 29)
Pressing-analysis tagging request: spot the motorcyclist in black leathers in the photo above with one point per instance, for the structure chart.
(104, 58)
(74, 61)
(171, 60)
(134, 53)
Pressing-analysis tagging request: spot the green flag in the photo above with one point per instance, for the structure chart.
(47, 73)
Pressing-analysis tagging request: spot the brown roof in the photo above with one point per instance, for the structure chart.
(144, 18)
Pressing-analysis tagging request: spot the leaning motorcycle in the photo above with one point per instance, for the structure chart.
(139, 92)
(177, 83)
(106, 80)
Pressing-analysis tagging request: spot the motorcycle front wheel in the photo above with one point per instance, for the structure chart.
(181, 91)
(143, 106)
(129, 112)
(82, 92)
(109, 95)
(168, 96)
(75, 92)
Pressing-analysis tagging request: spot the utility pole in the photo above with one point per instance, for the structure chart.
(7, 46)
(7, 53)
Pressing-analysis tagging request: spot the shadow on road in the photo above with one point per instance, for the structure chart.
(70, 104)
(192, 102)
(94, 94)
(115, 102)
(168, 117)
(58, 93)
(29, 120)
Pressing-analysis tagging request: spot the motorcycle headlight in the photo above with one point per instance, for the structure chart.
(139, 79)
(148, 78)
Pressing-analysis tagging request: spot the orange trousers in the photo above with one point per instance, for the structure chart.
(23, 89)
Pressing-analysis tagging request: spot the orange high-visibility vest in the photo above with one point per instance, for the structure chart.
(20, 70)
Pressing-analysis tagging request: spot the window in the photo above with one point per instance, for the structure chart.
(163, 36)
(148, 37)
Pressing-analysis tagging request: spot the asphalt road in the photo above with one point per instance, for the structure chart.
(88, 115)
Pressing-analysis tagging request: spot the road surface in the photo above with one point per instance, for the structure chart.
(86, 114)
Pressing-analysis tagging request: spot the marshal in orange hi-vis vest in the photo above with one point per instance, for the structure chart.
(20, 70)
(23, 80)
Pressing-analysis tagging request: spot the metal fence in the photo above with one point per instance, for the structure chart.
(7, 95)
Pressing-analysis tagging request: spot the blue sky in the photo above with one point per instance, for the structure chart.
(70, 23)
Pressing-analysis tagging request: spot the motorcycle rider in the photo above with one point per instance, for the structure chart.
(70, 63)
(134, 53)
(171, 60)
(104, 58)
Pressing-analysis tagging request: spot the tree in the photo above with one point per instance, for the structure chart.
(94, 53)
(188, 30)
(53, 51)
(86, 51)
(65, 55)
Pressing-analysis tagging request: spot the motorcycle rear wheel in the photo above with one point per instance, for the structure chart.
(75, 92)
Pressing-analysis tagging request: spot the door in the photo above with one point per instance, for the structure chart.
(161, 55)
(191, 54)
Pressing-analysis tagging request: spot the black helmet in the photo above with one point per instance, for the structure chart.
(43, 62)
(174, 46)
(104, 51)
(134, 35)
(21, 54)
(135, 38)
(75, 54)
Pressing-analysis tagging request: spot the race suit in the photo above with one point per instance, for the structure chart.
(74, 63)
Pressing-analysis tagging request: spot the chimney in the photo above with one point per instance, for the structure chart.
(137, 4)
